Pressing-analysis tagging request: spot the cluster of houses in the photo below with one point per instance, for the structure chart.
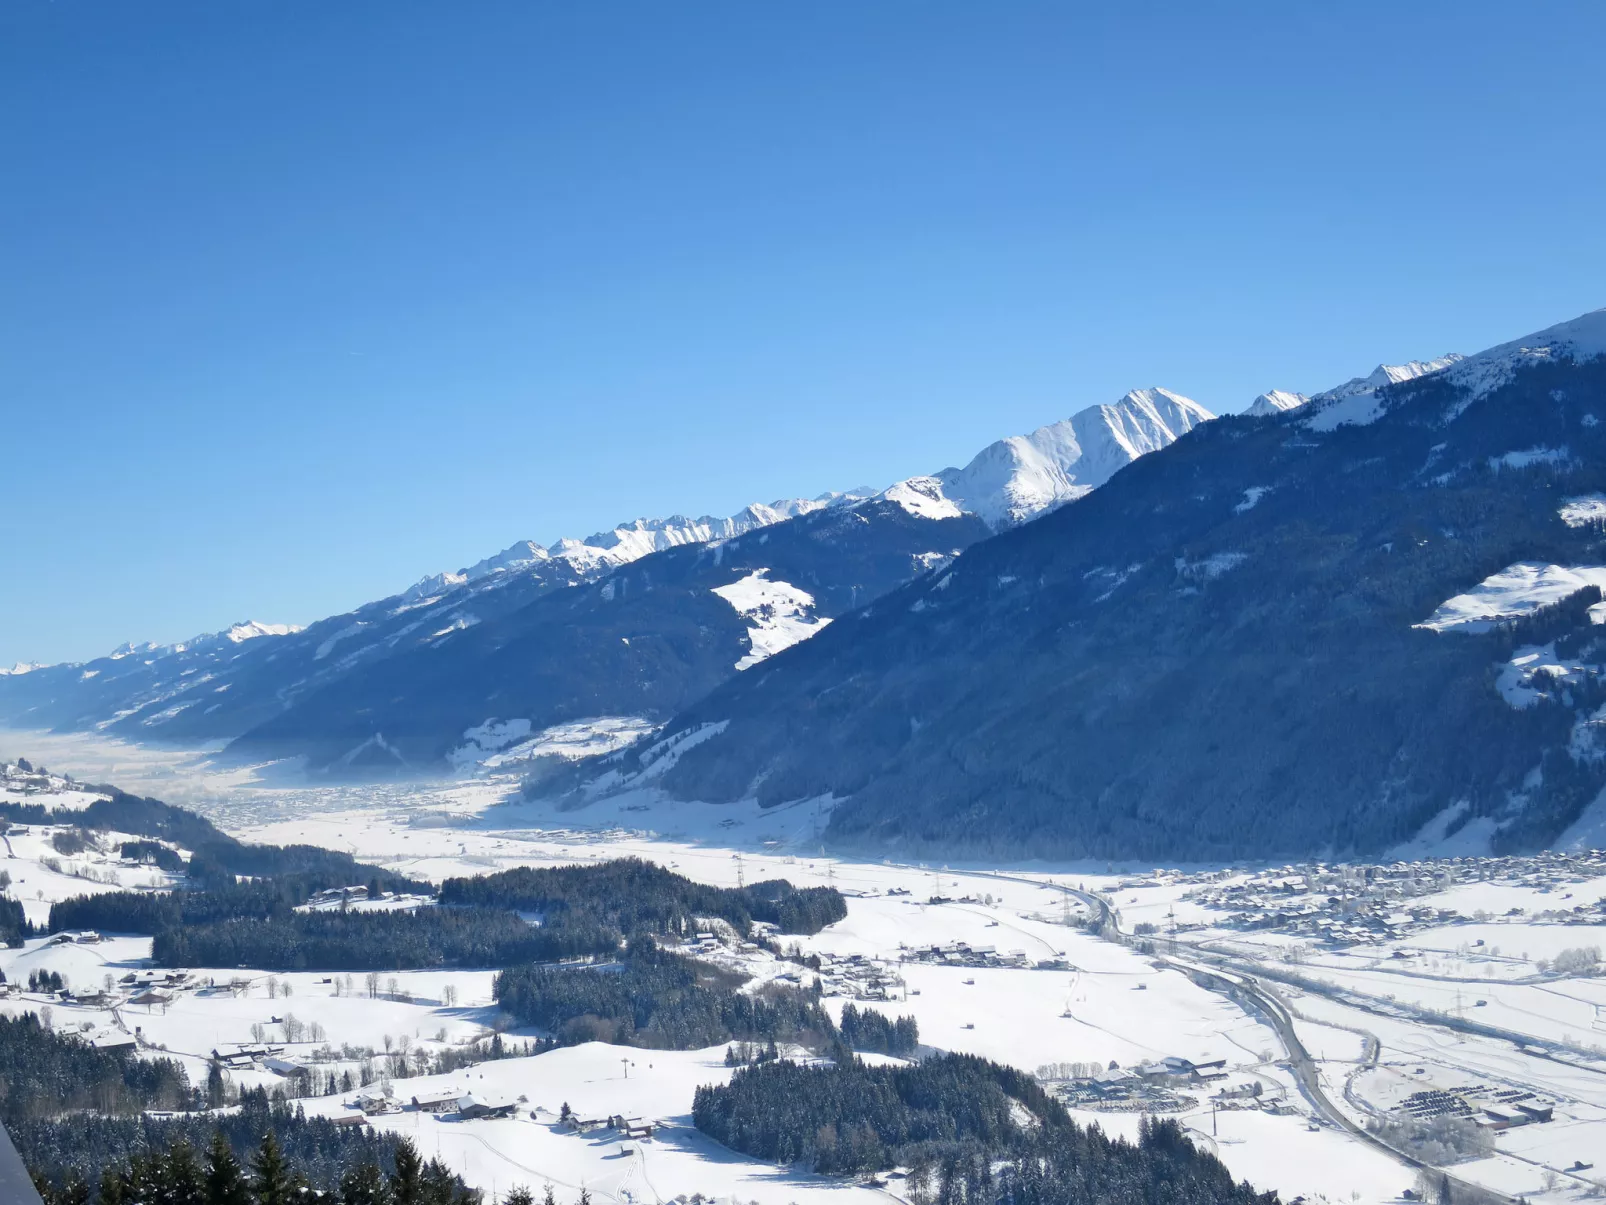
(148, 988)
(258, 1056)
(479, 1104)
(467, 1106)
(859, 977)
(1153, 1087)
(963, 954)
(1345, 905)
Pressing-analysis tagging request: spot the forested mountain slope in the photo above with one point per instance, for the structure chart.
(1220, 652)
(463, 665)
(650, 638)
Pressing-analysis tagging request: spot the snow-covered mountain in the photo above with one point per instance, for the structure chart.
(1020, 477)
(1413, 635)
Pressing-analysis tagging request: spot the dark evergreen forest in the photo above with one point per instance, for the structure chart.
(635, 896)
(382, 941)
(658, 999)
(951, 1120)
(79, 1117)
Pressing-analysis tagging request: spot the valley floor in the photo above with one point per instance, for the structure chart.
(1459, 979)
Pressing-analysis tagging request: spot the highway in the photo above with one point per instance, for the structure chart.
(1217, 972)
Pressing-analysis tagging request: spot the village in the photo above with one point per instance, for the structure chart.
(1345, 905)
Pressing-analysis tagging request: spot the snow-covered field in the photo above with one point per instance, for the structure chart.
(1370, 1013)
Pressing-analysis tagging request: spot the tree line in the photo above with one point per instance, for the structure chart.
(355, 941)
(80, 1118)
(361, 1169)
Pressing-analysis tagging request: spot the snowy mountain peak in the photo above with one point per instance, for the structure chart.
(632, 541)
(20, 668)
(1017, 478)
(251, 629)
(1275, 401)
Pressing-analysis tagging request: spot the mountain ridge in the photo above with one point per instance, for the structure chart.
(1164, 668)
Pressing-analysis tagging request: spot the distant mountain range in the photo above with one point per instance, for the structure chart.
(1364, 620)
(635, 622)
(1337, 626)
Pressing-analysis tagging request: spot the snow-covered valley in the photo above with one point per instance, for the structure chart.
(1463, 979)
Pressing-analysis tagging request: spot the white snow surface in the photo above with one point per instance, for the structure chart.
(1581, 338)
(1516, 590)
(1275, 401)
(779, 614)
(1583, 510)
(1527, 457)
(1251, 499)
(251, 629)
(923, 497)
(1356, 401)
(570, 741)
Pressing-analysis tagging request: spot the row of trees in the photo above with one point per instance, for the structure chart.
(873, 1031)
(176, 1174)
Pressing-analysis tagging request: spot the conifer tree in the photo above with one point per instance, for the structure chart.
(364, 1185)
(406, 1182)
(225, 1183)
(271, 1179)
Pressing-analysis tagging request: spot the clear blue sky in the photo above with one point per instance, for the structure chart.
(301, 300)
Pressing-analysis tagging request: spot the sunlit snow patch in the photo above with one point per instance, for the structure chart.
(1515, 591)
(781, 615)
(572, 741)
(1527, 457)
(1252, 497)
(1535, 672)
(1583, 510)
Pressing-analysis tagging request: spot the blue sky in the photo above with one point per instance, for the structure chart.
(301, 301)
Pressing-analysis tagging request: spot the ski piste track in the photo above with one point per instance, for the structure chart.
(1219, 973)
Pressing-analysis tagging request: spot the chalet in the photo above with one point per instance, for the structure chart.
(113, 1040)
(439, 1101)
(349, 1121)
(284, 1065)
(375, 1100)
(473, 1105)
